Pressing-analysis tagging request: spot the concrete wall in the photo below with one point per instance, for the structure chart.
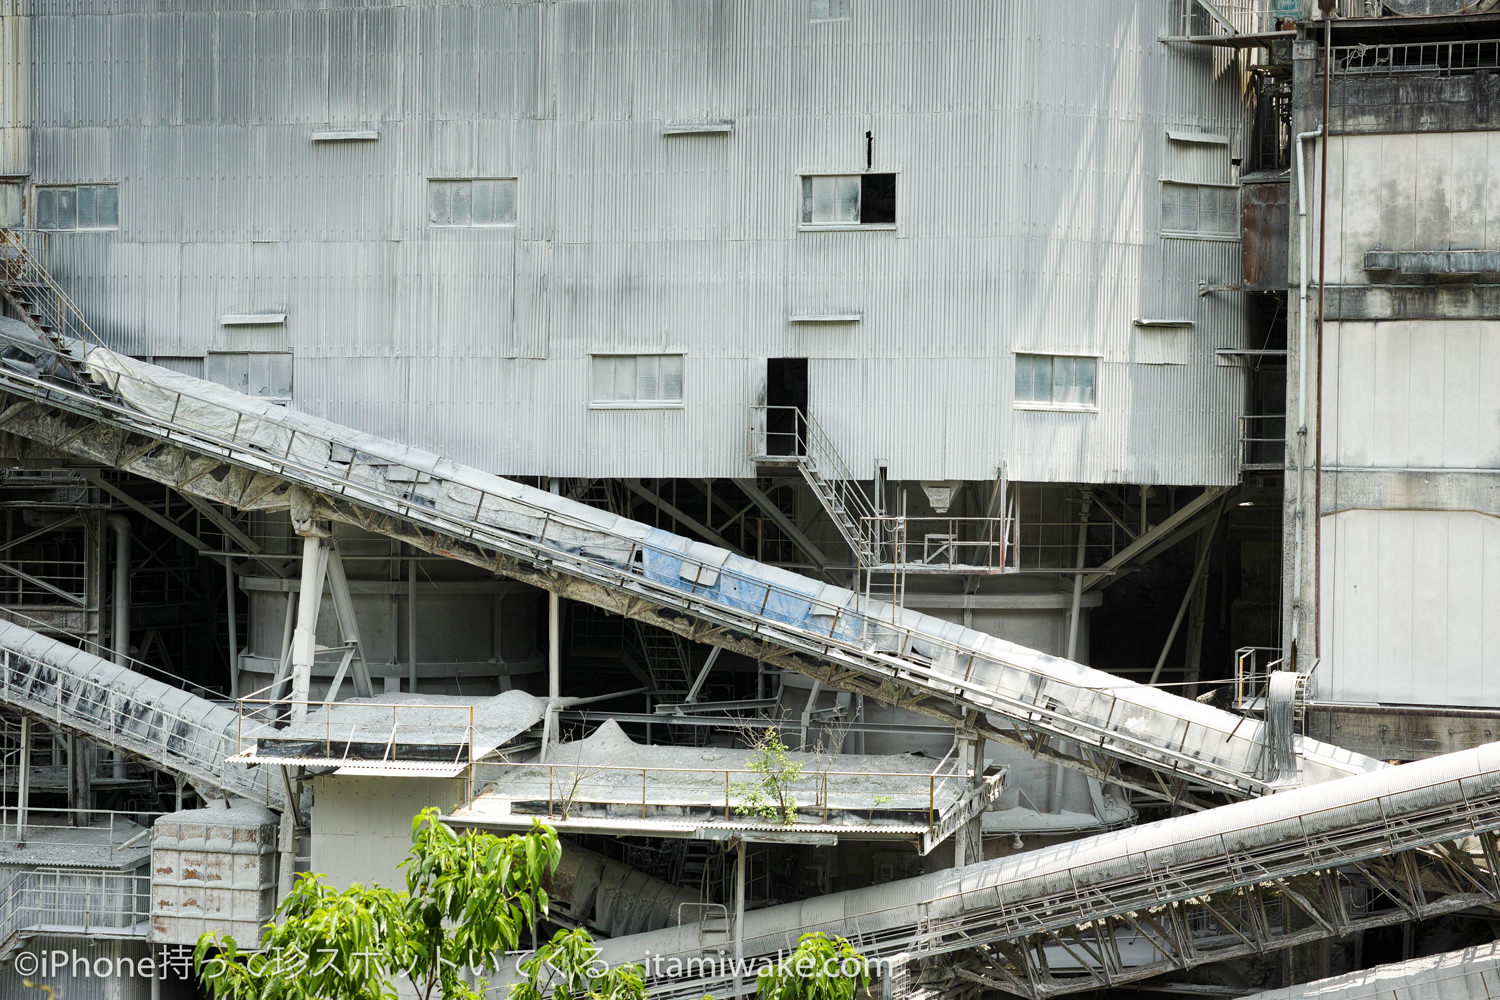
(1413, 394)
(1409, 599)
(1410, 191)
(1406, 564)
(361, 826)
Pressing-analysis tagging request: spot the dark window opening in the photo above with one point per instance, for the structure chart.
(877, 200)
(849, 200)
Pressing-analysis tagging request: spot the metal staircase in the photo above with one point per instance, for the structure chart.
(203, 439)
(812, 451)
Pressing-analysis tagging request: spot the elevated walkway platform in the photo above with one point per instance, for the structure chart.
(607, 783)
(412, 735)
(1415, 841)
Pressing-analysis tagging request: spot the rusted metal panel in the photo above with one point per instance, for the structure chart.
(1265, 217)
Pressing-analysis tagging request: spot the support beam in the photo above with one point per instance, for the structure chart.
(708, 664)
(23, 781)
(1219, 16)
(798, 537)
(1200, 566)
(679, 515)
(97, 479)
(233, 532)
(234, 638)
(52, 589)
(1077, 610)
(554, 661)
(1162, 535)
(304, 638)
(343, 608)
(411, 624)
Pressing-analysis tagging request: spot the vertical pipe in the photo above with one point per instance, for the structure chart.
(554, 659)
(1317, 586)
(1303, 300)
(1083, 537)
(120, 630)
(23, 780)
(234, 635)
(739, 906)
(411, 623)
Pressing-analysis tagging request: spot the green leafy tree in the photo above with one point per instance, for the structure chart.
(569, 968)
(468, 898)
(769, 794)
(821, 968)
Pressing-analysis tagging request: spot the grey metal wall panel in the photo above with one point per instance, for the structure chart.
(1028, 143)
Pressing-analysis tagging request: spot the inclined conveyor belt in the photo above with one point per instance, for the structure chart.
(116, 707)
(162, 425)
(1405, 843)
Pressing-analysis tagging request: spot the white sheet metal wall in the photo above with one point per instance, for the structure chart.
(1410, 565)
(15, 89)
(1030, 140)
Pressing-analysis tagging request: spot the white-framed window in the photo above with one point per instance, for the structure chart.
(262, 374)
(471, 202)
(1064, 381)
(848, 200)
(1200, 210)
(829, 10)
(10, 204)
(640, 380)
(77, 206)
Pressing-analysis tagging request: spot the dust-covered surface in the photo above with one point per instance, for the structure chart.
(397, 728)
(609, 774)
(51, 842)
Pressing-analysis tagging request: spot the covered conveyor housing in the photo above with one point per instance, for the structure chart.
(1416, 841)
(174, 730)
(205, 439)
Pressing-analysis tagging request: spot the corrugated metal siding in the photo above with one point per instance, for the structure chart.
(1028, 139)
(15, 89)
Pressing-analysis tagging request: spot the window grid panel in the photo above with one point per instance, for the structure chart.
(637, 378)
(1056, 380)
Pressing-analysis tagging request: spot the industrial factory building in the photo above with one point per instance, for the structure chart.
(1070, 430)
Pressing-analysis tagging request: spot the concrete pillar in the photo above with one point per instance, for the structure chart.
(739, 904)
(968, 842)
(309, 598)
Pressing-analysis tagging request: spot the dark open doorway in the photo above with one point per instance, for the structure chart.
(786, 401)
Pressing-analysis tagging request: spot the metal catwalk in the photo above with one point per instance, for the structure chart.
(1402, 844)
(81, 399)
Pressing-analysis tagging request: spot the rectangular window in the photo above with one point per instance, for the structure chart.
(80, 206)
(830, 10)
(1200, 210)
(472, 203)
(1055, 380)
(849, 200)
(10, 204)
(637, 379)
(264, 375)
